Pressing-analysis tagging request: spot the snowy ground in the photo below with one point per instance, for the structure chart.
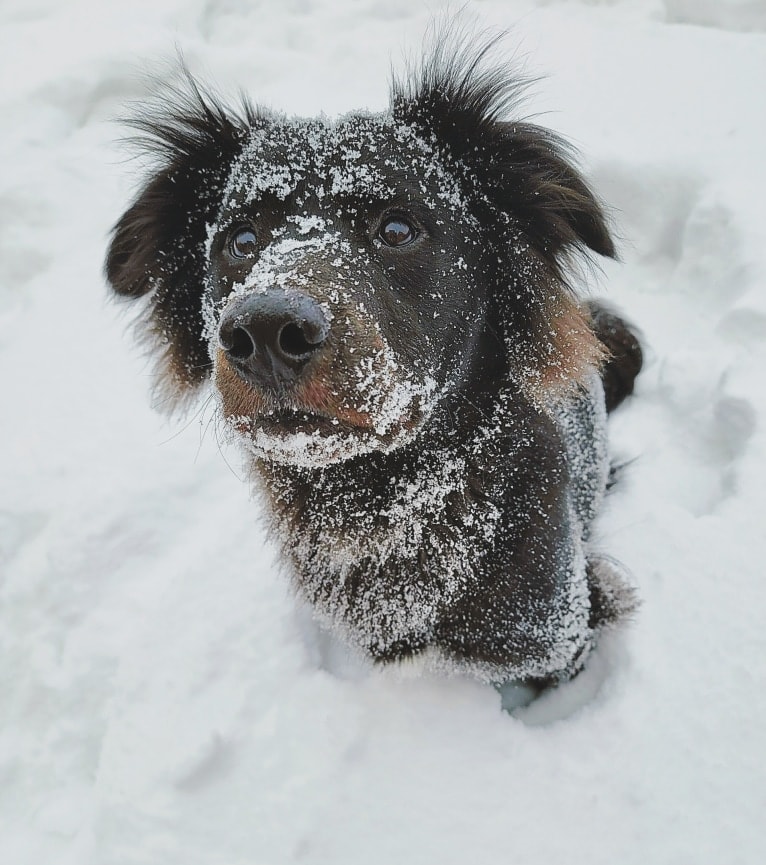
(163, 701)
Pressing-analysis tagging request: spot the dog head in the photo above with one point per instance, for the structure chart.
(340, 280)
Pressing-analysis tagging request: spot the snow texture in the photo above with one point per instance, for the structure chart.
(163, 700)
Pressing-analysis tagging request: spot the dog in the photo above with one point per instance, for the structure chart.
(384, 305)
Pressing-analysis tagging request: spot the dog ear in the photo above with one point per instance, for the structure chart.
(536, 211)
(529, 174)
(158, 245)
(531, 186)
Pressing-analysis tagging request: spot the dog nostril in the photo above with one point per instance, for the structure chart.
(269, 337)
(241, 344)
(294, 343)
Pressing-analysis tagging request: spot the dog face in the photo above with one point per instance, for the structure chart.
(342, 280)
(340, 298)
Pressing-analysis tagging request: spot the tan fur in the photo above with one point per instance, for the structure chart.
(566, 355)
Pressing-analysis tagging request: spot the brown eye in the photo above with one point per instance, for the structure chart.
(396, 231)
(243, 242)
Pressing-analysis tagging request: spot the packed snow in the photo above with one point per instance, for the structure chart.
(165, 697)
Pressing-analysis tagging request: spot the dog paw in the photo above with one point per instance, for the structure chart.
(559, 702)
(516, 695)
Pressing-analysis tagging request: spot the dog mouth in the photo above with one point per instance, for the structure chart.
(325, 417)
(307, 439)
(310, 438)
(285, 422)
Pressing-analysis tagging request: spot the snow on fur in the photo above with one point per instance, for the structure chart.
(162, 701)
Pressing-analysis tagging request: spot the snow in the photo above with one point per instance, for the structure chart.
(165, 699)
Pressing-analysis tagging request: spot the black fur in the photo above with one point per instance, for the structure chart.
(433, 460)
(158, 243)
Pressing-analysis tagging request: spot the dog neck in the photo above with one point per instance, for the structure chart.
(381, 543)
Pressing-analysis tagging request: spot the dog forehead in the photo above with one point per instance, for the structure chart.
(363, 155)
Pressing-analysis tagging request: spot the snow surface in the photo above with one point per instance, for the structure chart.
(164, 699)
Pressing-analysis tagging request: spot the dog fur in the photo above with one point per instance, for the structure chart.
(384, 305)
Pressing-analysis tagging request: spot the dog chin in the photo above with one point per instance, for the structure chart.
(317, 447)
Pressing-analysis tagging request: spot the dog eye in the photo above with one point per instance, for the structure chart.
(242, 242)
(396, 231)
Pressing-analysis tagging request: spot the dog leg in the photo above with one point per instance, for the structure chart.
(612, 599)
(625, 358)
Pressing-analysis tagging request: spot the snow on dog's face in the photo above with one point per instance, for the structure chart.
(339, 281)
(340, 303)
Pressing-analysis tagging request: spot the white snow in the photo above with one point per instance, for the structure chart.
(164, 699)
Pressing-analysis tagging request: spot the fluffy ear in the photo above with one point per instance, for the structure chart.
(531, 185)
(158, 244)
(536, 210)
(529, 174)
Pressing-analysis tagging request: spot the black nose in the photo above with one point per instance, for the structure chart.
(269, 338)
